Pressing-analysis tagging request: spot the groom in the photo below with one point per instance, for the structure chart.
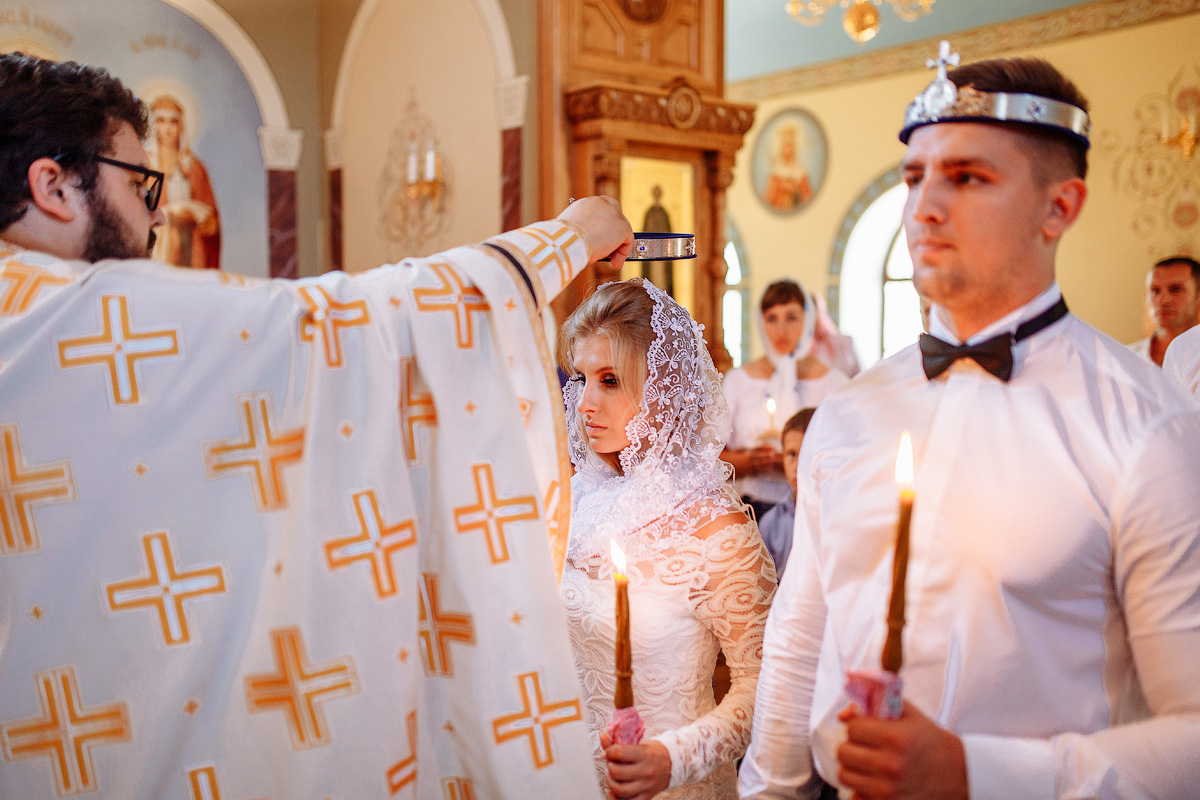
(1052, 608)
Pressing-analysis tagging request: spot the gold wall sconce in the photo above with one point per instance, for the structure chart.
(413, 189)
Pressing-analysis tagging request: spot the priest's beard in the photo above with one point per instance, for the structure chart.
(109, 236)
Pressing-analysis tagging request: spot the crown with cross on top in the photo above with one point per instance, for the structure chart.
(942, 101)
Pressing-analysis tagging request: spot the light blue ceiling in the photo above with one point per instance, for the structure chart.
(761, 37)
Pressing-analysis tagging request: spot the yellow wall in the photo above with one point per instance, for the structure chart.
(1102, 261)
(441, 52)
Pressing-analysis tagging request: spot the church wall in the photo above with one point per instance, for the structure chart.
(1102, 261)
(282, 29)
(440, 54)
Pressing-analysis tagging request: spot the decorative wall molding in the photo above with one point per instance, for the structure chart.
(280, 146)
(511, 95)
(976, 43)
(658, 107)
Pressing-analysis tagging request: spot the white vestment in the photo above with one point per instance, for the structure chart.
(271, 539)
(1142, 347)
(1053, 616)
(1182, 360)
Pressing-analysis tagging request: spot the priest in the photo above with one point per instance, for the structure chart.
(271, 538)
(1053, 617)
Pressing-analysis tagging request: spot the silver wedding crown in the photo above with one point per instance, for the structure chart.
(942, 101)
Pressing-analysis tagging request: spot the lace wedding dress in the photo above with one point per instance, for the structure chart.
(700, 579)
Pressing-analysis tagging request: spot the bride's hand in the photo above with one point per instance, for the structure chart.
(636, 771)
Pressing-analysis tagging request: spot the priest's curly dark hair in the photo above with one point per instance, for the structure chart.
(61, 110)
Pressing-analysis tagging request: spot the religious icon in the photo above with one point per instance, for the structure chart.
(191, 236)
(657, 220)
(789, 160)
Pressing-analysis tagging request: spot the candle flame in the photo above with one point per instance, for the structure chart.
(770, 405)
(618, 556)
(904, 461)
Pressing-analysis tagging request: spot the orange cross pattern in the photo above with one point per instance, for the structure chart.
(435, 628)
(22, 487)
(327, 317)
(164, 589)
(550, 250)
(404, 772)
(203, 783)
(374, 543)
(118, 349)
(24, 283)
(66, 732)
(298, 688)
(416, 409)
(458, 789)
(230, 278)
(535, 719)
(490, 514)
(262, 452)
(452, 295)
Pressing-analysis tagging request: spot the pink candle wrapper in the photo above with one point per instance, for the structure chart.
(878, 693)
(626, 726)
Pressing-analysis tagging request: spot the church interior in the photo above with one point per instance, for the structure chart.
(344, 134)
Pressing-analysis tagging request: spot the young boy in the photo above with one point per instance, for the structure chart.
(776, 525)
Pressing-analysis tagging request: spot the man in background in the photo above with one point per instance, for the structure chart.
(1173, 294)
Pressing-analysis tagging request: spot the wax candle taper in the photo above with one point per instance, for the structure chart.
(771, 413)
(893, 648)
(623, 694)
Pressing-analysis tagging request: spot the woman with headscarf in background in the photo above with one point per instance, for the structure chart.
(765, 393)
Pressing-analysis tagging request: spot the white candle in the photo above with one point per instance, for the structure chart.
(771, 413)
(412, 160)
(430, 157)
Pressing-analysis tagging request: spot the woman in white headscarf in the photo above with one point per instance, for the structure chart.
(764, 394)
(647, 423)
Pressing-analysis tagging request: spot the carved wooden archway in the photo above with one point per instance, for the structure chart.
(642, 79)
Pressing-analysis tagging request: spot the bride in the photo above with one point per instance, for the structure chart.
(647, 423)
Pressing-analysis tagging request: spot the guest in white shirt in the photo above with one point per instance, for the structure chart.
(1173, 294)
(1182, 361)
(1052, 602)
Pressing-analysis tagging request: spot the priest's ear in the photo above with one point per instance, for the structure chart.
(1065, 204)
(53, 190)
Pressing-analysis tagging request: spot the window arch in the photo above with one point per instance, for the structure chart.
(871, 293)
(735, 301)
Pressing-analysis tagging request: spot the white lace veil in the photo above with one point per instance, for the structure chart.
(674, 481)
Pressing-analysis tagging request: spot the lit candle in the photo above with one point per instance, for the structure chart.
(623, 694)
(430, 156)
(771, 413)
(893, 649)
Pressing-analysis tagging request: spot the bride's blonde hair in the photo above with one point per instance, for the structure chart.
(620, 312)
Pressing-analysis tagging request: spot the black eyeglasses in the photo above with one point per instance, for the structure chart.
(152, 182)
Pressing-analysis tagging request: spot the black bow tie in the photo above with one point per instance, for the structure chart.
(994, 355)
